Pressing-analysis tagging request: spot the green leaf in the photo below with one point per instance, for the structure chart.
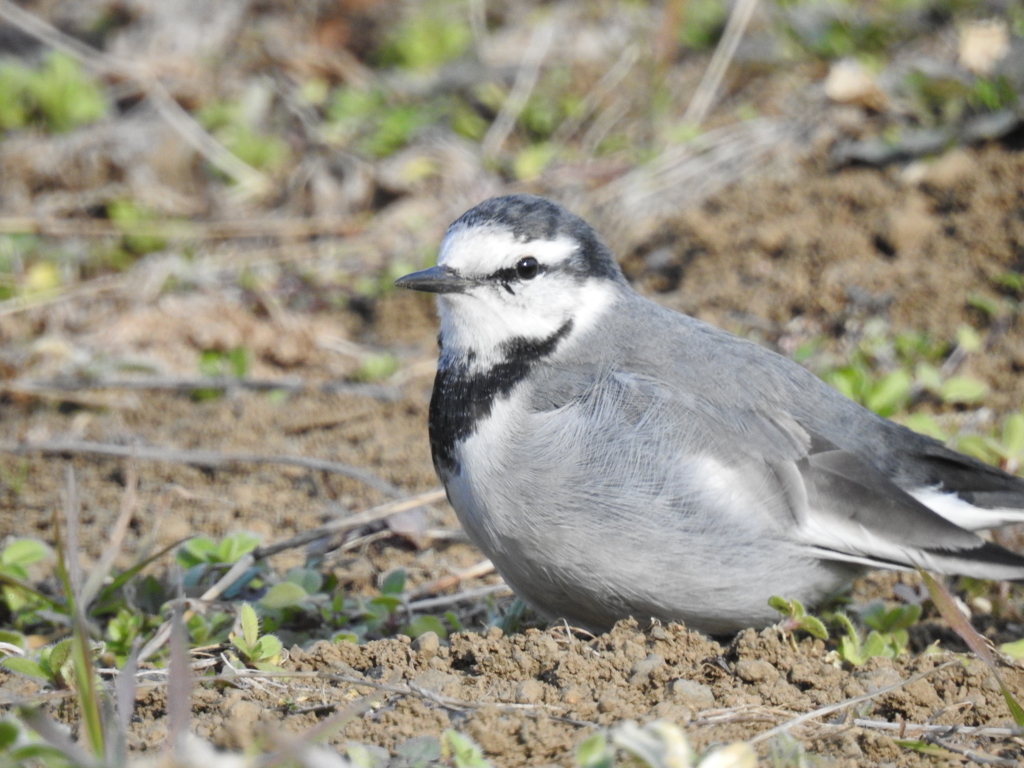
(238, 359)
(24, 552)
(1016, 711)
(377, 367)
(307, 578)
(1013, 434)
(875, 645)
(464, 751)
(267, 647)
(849, 381)
(1014, 650)
(849, 650)
(250, 625)
(963, 389)
(924, 424)
(26, 667)
(969, 339)
(928, 376)
(195, 551)
(531, 161)
(12, 638)
(419, 751)
(927, 748)
(889, 394)
(812, 625)
(394, 582)
(453, 620)
(781, 604)
(979, 447)
(384, 604)
(243, 647)
(284, 595)
(8, 734)
(58, 654)
(423, 624)
(594, 752)
(985, 304)
(233, 547)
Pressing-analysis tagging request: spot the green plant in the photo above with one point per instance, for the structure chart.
(887, 634)
(218, 364)
(1003, 445)
(15, 560)
(886, 373)
(52, 664)
(126, 216)
(57, 95)
(796, 617)
(702, 23)
(233, 362)
(210, 628)
(377, 367)
(259, 651)
(230, 124)
(432, 34)
(201, 555)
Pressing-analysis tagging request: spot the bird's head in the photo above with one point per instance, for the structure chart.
(517, 268)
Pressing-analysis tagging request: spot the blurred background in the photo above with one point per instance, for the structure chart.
(203, 206)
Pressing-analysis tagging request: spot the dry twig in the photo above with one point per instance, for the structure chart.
(283, 229)
(186, 384)
(827, 710)
(197, 458)
(526, 79)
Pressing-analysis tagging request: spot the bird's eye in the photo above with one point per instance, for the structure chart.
(527, 268)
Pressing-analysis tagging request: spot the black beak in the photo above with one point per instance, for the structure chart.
(435, 280)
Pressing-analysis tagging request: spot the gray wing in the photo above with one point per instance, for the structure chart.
(839, 506)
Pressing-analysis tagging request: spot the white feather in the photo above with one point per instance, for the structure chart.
(965, 514)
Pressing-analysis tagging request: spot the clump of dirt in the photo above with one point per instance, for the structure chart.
(529, 699)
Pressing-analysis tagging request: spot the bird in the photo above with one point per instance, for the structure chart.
(614, 458)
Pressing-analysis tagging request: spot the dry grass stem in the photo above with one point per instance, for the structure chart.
(198, 458)
(704, 97)
(827, 710)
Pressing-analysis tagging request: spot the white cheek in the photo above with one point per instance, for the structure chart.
(485, 319)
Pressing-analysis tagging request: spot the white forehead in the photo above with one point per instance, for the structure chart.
(482, 250)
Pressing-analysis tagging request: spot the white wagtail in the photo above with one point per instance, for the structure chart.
(614, 458)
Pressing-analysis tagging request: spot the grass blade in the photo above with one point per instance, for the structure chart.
(958, 622)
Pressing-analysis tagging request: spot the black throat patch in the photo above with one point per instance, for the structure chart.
(461, 399)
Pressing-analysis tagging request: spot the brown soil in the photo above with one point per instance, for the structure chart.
(776, 258)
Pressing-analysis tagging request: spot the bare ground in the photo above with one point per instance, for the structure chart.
(779, 258)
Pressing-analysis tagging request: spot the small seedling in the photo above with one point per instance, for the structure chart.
(796, 617)
(201, 555)
(462, 751)
(52, 665)
(259, 651)
(887, 637)
(15, 560)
